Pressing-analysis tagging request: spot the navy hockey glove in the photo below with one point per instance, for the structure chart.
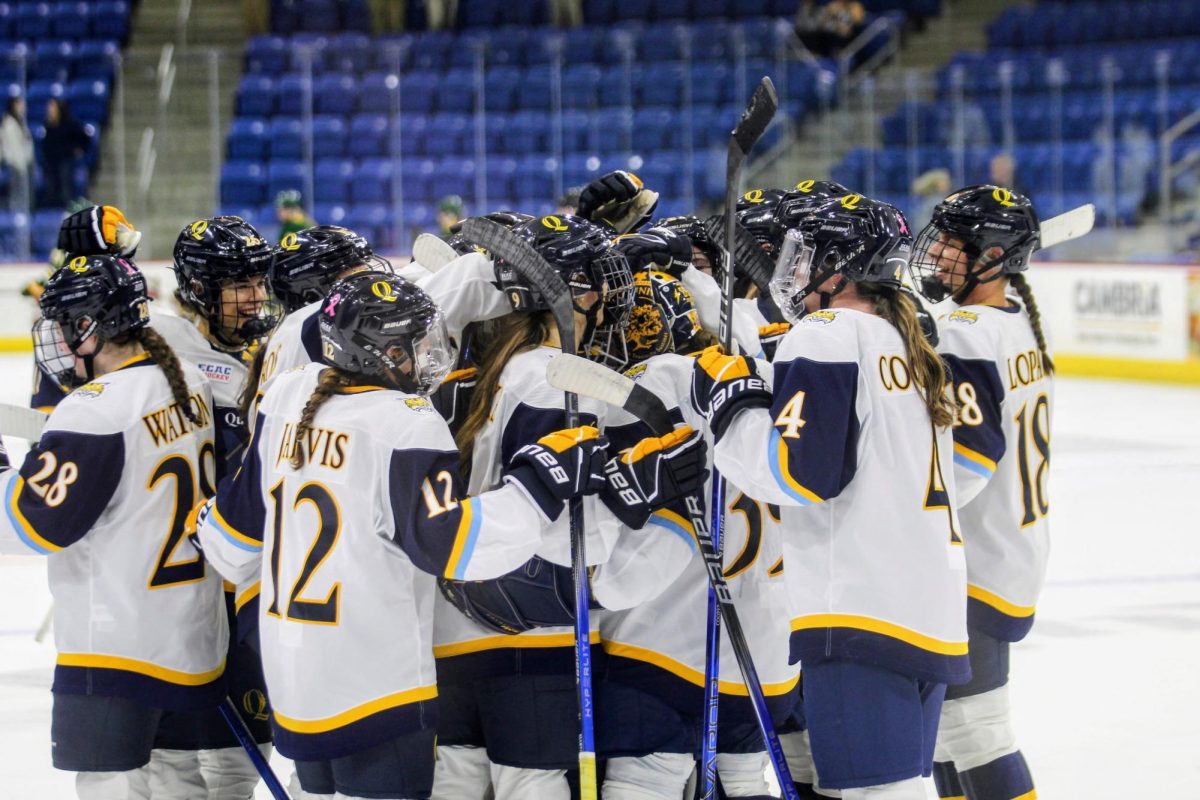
(618, 200)
(724, 385)
(98, 230)
(195, 519)
(656, 248)
(559, 466)
(653, 473)
(769, 336)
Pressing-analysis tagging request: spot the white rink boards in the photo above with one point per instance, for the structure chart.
(1104, 689)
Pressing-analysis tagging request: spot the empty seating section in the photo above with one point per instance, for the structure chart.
(1085, 89)
(64, 50)
(602, 97)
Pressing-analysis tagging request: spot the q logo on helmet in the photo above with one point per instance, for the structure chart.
(851, 201)
(1003, 197)
(753, 196)
(78, 264)
(805, 186)
(383, 290)
(198, 228)
(290, 242)
(555, 224)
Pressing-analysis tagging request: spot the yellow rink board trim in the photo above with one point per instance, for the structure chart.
(16, 344)
(1130, 369)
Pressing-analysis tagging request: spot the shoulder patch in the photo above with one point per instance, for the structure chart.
(94, 389)
(636, 371)
(964, 316)
(419, 404)
(819, 318)
(221, 373)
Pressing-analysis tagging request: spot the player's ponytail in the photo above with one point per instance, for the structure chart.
(253, 376)
(328, 384)
(927, 368)
(1025, 292)
(168, 362)
(511, 334)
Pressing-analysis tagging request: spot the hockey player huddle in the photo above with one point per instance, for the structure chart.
(344, 496)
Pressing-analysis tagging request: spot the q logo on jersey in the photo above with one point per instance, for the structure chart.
(1003, 197)
(290, 242)
(78, 264)
(851, 201)
(383, 290)
(805, 186)
(753, 196)
(197, 229)
(555, 224)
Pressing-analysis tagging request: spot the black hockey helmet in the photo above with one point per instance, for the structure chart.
(98, 296)
(383, 327)
(756, 213)
(462, 245)
(693, 228)
(808, 196)
(307, 262)
(209, 255)
(966, 227)
(585, 259)
(860, 239)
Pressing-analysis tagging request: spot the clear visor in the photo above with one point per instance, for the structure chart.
(793, 270)
(432, 356)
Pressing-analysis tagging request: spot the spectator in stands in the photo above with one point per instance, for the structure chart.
(929, 188)
(1002, 171)
(289, 210)
(566, 13)
(258, 16)
(16, 153)
(387, 15)
(449, 212)
(63, 147)
(826, 28)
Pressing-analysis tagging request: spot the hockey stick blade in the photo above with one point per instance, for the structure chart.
(576, 374)
(22, 422)
(432, 253)
(757, 115)
(748, 256)
(1068, 225)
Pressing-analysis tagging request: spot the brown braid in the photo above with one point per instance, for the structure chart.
(1025, 291)
(512, 334)
(250, 389)
(168, 362)
(330, 381)
(928, 369)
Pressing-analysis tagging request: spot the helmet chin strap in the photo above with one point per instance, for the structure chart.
(973, 281)
(819, 279)
(592, 316)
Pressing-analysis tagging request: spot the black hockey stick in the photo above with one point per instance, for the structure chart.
(236, 724)
(525, 261)
(751, 260)
(578, 375)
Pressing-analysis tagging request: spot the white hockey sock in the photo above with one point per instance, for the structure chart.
(461, 773)
(131, 785)
(658, 776)
(229, 773)
(518, 783)
(909, 789)
(175, 775)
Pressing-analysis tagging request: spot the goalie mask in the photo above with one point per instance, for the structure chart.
(853, 238)
(91, 298)
(974, 231)
(382, 327)
(584, 258)
(663, 320)
(306, 263)
(221, 266)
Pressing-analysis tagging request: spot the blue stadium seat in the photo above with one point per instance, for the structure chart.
(368, 135)
(289, 95)
(331, 180)
(456, 91)
(615, 87)
(329, 213)
(285, 175)
(431, 50)
(329, 136)
(416, 175)
(394, 52)
(655, 129)
(576, 131)
(32, 21)
(418, 91)
(267, 54)
(45, 229)
(582, 45)
(662, 42)
(500, 172)
(672, 9)
(500, 88)
(7, 21)
(709, 9)
(447, 134)
(39, 92)
(247, 139)
(712, 84)
(452, 175)
(243, 183)
(52, 60)
(256, 96)
(612, 124)
(97, 59)
(580, 86)
(528, 132)
(534, 180)
(356, 16)
(579, 169)
(71, 20)
(111, 20)
(285, 138)
(335, 94)
(372, 221)
(604, 12)
(89, 99)
(318, 16)
(660, 85)
(372, 181)
(349, 52)
(410, 132)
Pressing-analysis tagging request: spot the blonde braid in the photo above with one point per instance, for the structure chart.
(1025, 291)
(168, 362)
(330, 381)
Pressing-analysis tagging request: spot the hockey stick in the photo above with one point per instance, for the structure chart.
(524, 260)
(432, 253)
(22, 422)
(587, 378)
(1067, 226)
(44, 628)
(236, 724)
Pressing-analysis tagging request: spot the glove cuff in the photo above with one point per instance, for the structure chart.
(731, 397)
(527, 479)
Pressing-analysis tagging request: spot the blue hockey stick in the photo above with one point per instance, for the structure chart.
(236, 724)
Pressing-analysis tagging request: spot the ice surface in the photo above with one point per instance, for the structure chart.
(1105, 691)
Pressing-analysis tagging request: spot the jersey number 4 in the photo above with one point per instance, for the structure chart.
(329, 527)
(936, 496)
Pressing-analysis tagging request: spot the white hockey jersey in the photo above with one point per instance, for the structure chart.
(666, 634)
(1001, 462)
(347, 549)
(875, 567)
(104, 494)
